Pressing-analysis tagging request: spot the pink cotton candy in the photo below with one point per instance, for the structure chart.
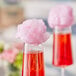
(32, 31)
(61, 16)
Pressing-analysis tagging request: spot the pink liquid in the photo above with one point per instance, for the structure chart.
(35, 64)
(62, 51)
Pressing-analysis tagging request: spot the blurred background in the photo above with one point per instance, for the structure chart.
(14, 12)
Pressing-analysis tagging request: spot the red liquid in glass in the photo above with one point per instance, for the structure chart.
(62, 51)
(34, 65)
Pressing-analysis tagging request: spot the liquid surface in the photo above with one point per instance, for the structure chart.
(34, 64)
(62, 51)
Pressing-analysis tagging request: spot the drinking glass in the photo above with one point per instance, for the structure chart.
(33, 61)
(62, 49)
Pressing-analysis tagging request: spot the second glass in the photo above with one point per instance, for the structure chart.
(62, 49)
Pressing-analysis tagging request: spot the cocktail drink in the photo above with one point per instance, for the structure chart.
(33, 33)
(61, 19)
(62, 55)
(33, 62)
(62, 49)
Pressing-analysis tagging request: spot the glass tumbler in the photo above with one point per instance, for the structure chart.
(33, 61)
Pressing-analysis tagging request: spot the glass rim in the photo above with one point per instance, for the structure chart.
(28, 47)
(62, 31)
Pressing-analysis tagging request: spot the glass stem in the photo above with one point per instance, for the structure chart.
(62, 72)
